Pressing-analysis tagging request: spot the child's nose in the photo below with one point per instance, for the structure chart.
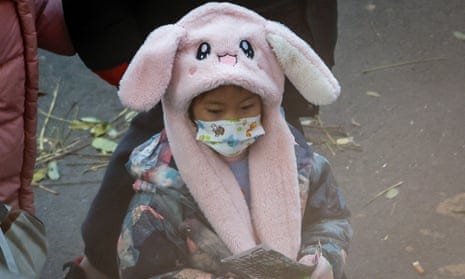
(232, 114)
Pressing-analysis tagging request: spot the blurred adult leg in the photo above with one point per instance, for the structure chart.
(315, 21)
(101, 228)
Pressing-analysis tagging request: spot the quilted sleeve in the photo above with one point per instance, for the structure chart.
(326, 217)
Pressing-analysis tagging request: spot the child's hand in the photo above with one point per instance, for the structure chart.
(323, 269)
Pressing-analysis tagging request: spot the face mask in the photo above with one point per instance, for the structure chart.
(229, 137)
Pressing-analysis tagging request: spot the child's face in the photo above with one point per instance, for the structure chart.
(225, 103)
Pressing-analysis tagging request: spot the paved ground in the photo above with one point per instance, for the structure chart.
(412, 133)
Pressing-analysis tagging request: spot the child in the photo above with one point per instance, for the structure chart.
(313, 20)
(228, 173)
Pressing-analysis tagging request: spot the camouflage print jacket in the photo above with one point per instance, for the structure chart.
(165, 232)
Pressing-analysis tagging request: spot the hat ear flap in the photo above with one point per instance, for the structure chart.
(302, 66)
(149, 73)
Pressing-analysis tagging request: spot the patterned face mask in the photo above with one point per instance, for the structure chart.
(229, 137)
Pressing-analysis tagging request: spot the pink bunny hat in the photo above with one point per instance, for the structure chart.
(224, 44)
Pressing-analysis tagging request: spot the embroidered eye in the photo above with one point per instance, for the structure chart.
(203, 51)
(246, 48)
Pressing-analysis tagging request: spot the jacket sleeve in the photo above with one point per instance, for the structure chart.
(326, 217)
(107, 34)
(52, 33)
(146, 246)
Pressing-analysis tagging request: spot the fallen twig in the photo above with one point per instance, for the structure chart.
(73, 147)
(96, 167)
(54, 117)
(329, 136)
(45, 188)
(93, 155)
(355, 123)
(356, 147)
(402, 64)
(384, 192)
(74, 183)
(330, 148)
(86, 163)
(124, 111)
(50, 110)
(324, 130)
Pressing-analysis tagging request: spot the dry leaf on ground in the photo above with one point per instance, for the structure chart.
(104, 145)
(373, 94)
(455, 270)
(344, 141)
(39, 175)
(53, 172)
(459, 35)
(454, 206)
(392, 193)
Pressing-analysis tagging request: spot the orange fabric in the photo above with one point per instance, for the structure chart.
(113, 75)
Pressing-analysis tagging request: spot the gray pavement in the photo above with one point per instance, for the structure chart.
(413, 133)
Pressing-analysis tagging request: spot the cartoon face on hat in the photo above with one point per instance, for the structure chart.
(223, 44)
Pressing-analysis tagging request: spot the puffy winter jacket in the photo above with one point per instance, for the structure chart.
(163, 213)
(24, 26)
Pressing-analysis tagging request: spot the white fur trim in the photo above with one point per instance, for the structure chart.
(306, 74)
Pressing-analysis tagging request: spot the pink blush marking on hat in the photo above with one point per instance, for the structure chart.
(228, 59)
(192, 70)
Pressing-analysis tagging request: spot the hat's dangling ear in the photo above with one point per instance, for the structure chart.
(302, 66)
(149, 73)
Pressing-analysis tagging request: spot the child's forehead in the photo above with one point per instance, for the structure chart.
(226, 91)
